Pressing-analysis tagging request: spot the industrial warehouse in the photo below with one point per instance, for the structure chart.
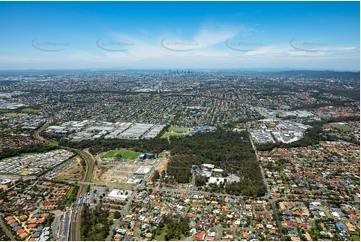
(90, 129)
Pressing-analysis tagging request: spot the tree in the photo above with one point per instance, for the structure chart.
(117, 215)
(156, 176)
(163, 174)
(200, 180)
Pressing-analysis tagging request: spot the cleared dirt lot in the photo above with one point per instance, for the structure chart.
(162, 166)
(119, 172)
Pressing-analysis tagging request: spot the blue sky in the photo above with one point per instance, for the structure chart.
(162, 35)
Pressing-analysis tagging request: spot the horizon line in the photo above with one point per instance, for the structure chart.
(261, 69)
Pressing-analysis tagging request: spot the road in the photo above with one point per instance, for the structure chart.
(6, 230)
(37, 133)
(196, 192)
(269, 195)
(89, 161)
(123, 213)
(193, 180)
(110, 186)
(129, 202)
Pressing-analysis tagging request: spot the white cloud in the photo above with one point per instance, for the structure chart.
(309, 53)
(144, 51)
(268, 50)
(201, 44)
(207, 37)
(345, 48)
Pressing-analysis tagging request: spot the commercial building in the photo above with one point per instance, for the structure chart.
(118, 194)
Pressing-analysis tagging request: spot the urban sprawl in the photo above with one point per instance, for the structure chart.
(179, 155)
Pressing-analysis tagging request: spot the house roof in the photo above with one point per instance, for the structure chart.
(201, 235)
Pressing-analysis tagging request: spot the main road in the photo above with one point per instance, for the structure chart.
(89, 161)
(6, 229)
(273, 200)
(37, 135)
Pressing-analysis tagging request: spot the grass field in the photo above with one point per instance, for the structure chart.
(30, 110)
(170, 117)
(53, 142)
(176, 131)
(355, 238)
(70, 195)
(4, 111)
(126, 154)
(12, 114)
(18, 112)
(161, 237)
(70, 192)
(342, 128)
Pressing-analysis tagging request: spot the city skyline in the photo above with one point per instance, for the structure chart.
(180, 35)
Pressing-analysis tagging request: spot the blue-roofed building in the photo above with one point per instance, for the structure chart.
(145, 156)
(127, 238)
(341, 226)
(201, 129)
(14, 224)
(294, 232)
(16, 228)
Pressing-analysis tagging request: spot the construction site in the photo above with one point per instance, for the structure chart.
(124, 171)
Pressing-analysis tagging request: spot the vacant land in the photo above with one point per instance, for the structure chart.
(341, 127)
(123, 153)
(162, 166)
(75, 172)
(176, 131)
(101, 169)
(120, 171)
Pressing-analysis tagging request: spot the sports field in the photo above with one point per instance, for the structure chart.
(30, 110)
(126, 154)
(18, 112)
(175, 131)
(341, 127)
